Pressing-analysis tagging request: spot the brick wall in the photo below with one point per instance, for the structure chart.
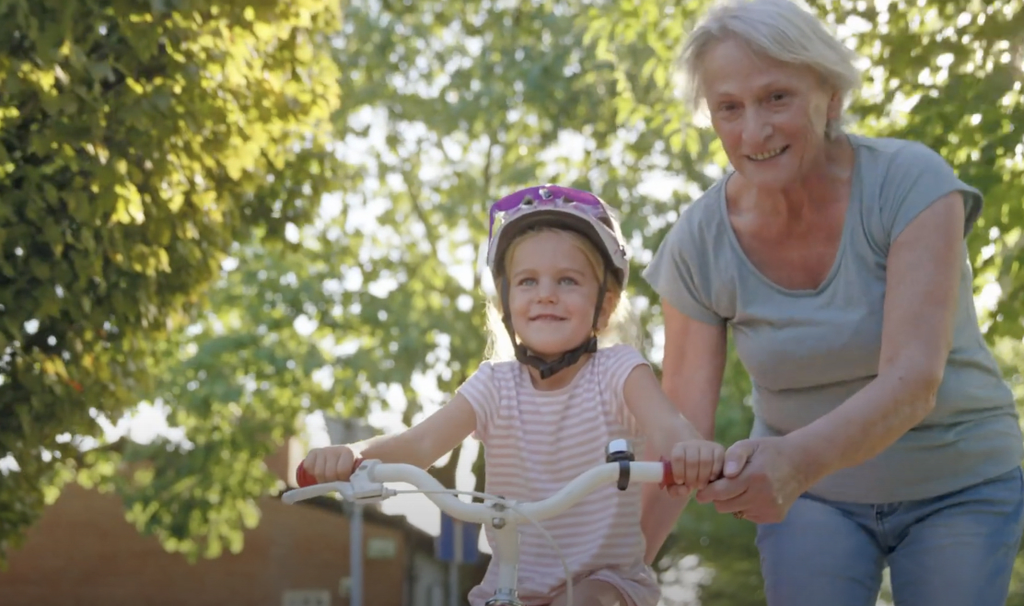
(84, 553)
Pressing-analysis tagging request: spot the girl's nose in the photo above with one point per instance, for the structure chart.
(546, 291)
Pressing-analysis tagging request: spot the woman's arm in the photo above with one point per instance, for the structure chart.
(692, 370)
(923, 271)
(924, 266)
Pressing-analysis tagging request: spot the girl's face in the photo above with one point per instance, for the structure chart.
(769, 115)
(553, 294)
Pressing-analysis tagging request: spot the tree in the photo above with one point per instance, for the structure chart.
(380, 304)
(138, 142)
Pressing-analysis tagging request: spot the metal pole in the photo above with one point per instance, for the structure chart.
(356, 556)
(453, 566)
(453, 584)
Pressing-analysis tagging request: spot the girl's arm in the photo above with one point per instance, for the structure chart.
(425, 442)
(420, 445)
(657, 417)
(692, 370)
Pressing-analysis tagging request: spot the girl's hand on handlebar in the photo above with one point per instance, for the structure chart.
(696, 463)
(330, 463)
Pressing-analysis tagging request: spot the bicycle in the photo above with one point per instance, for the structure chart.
(366, 485)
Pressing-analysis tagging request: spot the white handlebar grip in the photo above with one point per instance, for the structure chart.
(317, 490)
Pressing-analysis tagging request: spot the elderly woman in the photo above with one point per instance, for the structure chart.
(883, 433)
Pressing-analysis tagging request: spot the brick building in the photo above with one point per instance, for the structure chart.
(83, 553)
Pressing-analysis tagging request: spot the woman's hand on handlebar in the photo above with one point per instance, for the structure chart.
(328, 464)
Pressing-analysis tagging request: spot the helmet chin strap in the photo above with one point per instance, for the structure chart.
(567, 359)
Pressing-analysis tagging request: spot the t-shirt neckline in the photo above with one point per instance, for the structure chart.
(848, 219)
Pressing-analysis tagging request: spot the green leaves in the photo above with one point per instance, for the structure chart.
(381, 303)
(972, 113)
(136, 145)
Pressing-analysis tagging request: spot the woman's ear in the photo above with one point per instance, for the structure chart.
(835, 106)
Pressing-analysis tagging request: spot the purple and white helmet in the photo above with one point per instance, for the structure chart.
(560, 207)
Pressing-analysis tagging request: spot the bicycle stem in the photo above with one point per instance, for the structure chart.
(506, 551)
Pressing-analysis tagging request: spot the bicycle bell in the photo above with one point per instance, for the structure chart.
(619, 450)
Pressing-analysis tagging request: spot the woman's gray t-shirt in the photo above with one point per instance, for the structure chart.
(808, 351)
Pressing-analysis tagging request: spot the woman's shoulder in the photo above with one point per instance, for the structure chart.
(893, 153)
(701, 222)
(705, 207)
(902, 177)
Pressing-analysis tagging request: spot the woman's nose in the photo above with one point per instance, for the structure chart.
(755, 127)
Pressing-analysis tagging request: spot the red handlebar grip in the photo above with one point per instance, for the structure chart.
(667, 477)
(303, 478)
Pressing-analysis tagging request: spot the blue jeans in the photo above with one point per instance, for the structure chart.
(956, 549)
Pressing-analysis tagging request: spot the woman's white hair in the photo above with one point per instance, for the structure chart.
(780, 29)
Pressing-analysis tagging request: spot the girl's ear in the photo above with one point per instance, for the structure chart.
(611, 301)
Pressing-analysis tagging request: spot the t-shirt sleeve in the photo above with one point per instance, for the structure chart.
(917, 178)
(482, 393)
(621, 360)
(680, 270)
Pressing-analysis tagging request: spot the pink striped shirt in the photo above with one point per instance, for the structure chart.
(535, 442)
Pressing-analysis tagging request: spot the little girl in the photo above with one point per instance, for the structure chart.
(559, 262)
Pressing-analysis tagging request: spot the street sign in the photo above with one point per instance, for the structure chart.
(458, 541)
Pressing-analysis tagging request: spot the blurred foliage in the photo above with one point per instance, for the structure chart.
(138, 142)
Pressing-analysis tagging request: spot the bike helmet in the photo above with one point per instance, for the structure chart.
(562, 208)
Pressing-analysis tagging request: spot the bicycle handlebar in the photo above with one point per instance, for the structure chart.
(366, 485)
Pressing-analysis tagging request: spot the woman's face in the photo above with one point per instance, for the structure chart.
(769, 115)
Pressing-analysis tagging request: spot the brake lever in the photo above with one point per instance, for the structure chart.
(317, 490)
(365, 490)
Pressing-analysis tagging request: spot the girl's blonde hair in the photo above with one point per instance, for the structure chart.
(622, 327)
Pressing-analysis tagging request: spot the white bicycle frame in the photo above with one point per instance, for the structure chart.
(366, 485)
